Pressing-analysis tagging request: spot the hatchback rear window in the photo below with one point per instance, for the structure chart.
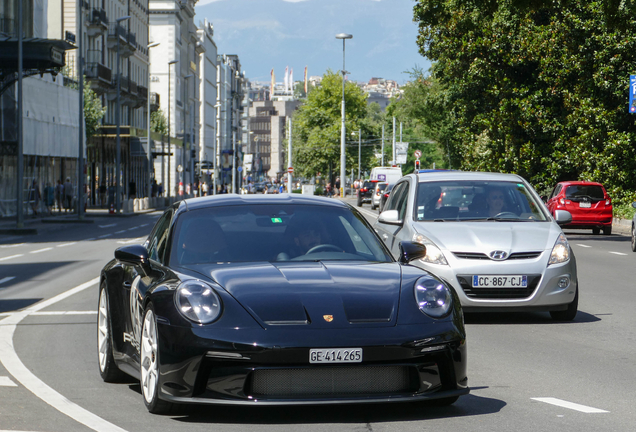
(578, 192)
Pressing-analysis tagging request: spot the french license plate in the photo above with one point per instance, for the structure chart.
(335, 355)
(496, 281)
(585, 205)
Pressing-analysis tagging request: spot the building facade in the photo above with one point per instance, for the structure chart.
(207, 109)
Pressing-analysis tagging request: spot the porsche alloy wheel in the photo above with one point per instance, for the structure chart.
(107, 367)
(150, 365)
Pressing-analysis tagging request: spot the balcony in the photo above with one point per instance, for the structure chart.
(154, 101)
(98, 23)
(98, 76)
(142, 96)
(118, 35)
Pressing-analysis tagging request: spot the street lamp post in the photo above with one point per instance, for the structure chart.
(359, 148)
(118, 121)
(150, 45)
(167, 186)
(343, 36)
(185, 113)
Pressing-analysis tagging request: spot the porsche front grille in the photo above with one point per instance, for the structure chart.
(325, 382)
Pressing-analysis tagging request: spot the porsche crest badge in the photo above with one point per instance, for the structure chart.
(328, 318)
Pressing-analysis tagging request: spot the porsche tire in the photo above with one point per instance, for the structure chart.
(149, 360)
(107, 367)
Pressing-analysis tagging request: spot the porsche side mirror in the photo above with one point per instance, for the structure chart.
(136, 255)
(410, 251)
(562, 217)
(390, 217)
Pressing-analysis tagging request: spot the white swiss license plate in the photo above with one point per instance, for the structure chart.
(335, 355)
(496, 281)
(585, 205)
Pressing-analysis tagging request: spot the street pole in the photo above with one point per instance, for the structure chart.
(343, 179)
(185, 127)
(19, 210)
(118, 121)
(150, 167)
(80, 75)
(167, 186)
(359, 150)
(382, 164)
(393, 162)
(289, 158)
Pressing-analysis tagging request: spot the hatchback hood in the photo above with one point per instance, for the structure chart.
(488, 236)
(316, 294)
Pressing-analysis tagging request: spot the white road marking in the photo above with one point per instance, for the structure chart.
(7, 279)
(584, 246)
(6, 382)
(46, 313)
(570, 405)
(42, 250)
(104, 236)
(618, 253)
(135, 240)
(67, 244)
(143, 225)
(368, 212)
(133, 228)
(11, 245)
(107, 226)
(24, 376)
(11, 257)
(119, 232)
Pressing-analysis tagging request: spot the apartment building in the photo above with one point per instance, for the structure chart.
(207, 110)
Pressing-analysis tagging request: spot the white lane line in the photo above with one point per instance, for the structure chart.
(107, 226)
(119, 232)
(143, 225)
(67, 244)
(618, 253)
(133, 228)
(11, 257)
(48, 313)
(104, 236)
(11, 245)
(135, 240)
(41, 250)
(24, 376)
(584, 246)
(6, 382)
(368, 213)
(570, 405)
(7, 279)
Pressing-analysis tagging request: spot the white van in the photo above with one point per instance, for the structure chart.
(386, 174)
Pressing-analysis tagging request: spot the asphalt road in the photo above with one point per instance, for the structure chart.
(526, 372)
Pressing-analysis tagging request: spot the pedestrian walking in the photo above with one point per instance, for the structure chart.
(34, 197)
(59, 195)
(68, 194)
(204, 188)
(49, 197)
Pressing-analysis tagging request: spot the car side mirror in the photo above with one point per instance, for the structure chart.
(562, 217)
(136, 255)
(390, 217)
(410, 251)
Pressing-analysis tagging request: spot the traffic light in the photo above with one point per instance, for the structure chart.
(417, 165)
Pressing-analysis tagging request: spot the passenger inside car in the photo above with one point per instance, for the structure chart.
(202, 242)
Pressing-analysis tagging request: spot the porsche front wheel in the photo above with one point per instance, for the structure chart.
(107, 367)
(150, 365)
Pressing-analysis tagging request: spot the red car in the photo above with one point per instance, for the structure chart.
(588, 202)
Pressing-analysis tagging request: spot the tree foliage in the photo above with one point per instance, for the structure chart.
(93, 111)
(536, 87)
(158, 122)
(317, 125)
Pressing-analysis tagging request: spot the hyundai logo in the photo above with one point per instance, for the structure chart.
(498, 255)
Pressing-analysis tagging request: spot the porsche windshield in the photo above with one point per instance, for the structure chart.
(477, 201)
(252, 233)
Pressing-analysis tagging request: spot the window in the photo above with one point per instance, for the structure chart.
(158, 240)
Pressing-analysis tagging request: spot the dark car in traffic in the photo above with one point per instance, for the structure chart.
(282, 299)
(588, 202)
(384, 197)
(365, 193)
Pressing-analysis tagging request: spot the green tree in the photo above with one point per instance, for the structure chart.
(317, 123)
(158, 122)
(93, 111)
(537, 87)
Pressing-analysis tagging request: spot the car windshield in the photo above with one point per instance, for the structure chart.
(476, 201)
(256, 233)
(382, 186)
(579, 192)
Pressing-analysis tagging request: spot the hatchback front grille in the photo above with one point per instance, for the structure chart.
(324, 382)
(483, 256)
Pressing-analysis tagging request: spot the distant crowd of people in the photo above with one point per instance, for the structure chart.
(60, 198)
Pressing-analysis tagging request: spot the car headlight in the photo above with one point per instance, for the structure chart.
(433, 296)
(560, 251)
(434, 254)
(198, 302)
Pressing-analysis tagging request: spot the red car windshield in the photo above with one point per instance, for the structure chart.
(579, 192)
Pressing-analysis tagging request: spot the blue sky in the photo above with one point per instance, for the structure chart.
(270, 34)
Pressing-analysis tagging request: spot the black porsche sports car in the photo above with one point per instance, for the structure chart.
(285, 299)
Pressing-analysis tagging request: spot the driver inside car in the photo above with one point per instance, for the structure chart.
(495, 200)
(307, 239)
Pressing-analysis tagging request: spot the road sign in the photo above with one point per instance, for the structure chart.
(418, 154)
(290, 170)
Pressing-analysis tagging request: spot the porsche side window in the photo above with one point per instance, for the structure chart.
(159, 238)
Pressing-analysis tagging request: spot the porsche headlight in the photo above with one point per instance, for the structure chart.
(433, 296)
(198, 302)
(434, 254)
(560, 251)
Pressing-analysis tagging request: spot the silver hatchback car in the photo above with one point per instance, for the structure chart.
(488, 235)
